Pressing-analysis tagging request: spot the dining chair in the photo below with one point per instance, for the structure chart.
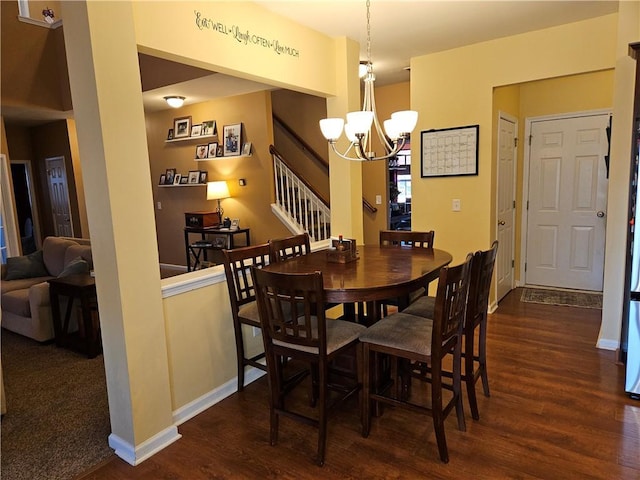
(408, 338)
(287, 303)
(414, 239)
(289, 247)
(237, 265)
(476, 319)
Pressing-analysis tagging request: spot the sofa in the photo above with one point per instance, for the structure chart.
(24, 291)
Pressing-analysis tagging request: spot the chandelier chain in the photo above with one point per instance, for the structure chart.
(368, 32)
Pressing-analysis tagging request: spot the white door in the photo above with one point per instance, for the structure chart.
(567, 202)
(507, 128)
(59, 195)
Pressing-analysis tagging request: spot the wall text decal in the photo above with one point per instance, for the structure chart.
(245, 37)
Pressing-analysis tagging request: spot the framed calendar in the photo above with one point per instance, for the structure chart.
(449, 151)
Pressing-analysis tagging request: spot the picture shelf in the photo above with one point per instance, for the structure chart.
(221, 158)
(184, 185)
(190, 139)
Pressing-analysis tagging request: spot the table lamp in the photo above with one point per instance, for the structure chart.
(218, 191)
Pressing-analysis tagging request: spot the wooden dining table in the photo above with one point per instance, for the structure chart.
(379, 273)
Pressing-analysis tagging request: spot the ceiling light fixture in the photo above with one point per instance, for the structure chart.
(174, 101)
(358, 127)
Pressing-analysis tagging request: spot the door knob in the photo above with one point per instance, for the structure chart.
(501, 223)
(600, 214)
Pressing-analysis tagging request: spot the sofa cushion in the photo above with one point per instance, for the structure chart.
(26, 266)
(77, 265)
(17, 301)
(23, 283)
(54, 249)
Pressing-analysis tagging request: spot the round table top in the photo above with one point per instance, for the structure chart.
(380, 272)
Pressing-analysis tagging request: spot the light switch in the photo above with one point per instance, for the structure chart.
(378, 199)
(455, 205)
(159, 206)
(242, 182)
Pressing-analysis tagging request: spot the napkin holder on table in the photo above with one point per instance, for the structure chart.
(342, 251)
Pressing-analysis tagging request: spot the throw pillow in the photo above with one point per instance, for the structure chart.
(26, 266)
(77, 265)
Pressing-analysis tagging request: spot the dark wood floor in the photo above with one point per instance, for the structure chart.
(557, 411)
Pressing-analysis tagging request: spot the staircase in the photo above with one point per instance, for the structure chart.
(297, 204)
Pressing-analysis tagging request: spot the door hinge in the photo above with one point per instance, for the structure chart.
(513, 263)
(514, 204)
(527, 205)
(515, 141)
(525, 267)
(530, 139)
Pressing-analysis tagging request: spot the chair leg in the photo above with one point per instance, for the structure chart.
(457, 386)
(482, 356)
(365, 402)
(470, 377)
(239, 355)
(322, 414)
(438, 414)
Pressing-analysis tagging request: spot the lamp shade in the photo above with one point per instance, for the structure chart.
(331, 128)
(217, 190)
(406, 120)
(360, 121)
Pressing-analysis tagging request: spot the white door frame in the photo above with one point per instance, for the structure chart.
(7, 203)
(525, 177)
(514, 120)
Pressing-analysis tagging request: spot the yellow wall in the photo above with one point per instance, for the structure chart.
(455, 88)
(251, 204)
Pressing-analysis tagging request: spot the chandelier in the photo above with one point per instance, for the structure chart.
(358, 126)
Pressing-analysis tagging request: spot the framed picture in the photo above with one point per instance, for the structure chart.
(176, 179)
(170, 134)
(194, 176)
(219, 151)
(181, 127)
(203, 176)
(162, 179)
(183, 180)
(220, 242)
(235, 223)
(449, 152)
(196, 130)
(169, 175)
(212, 150)
(246, 148)
(232, 139)
(201, 152)
(209, 127)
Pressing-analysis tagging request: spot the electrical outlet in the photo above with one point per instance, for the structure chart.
(455, 205)
(159, 205)
(256, 331)
(242, 182)
(378, 199)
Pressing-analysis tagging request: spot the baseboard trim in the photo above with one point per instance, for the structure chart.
(216, 395)
(134, 455)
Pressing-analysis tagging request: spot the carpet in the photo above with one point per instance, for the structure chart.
(562, 297)
(57, 419)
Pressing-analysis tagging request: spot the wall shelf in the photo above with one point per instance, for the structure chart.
(184, 185)
(190, 139)
(221, 158)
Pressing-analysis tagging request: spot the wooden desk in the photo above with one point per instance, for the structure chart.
(381, 272)
(200, 247)
(82, 287)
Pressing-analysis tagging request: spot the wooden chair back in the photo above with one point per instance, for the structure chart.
(237, 267)
(404, 237)
(289, 247)
(481, 274)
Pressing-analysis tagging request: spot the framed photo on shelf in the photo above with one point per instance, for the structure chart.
(220, 242)
(219, 151)
(176, 179)
(184, 180)
(209, 127)
(201, 152)
(203, 176)
(246, 148)
(169, 175)
(162, 179)
(181, 127)
(170, 134)
(194, 177)
(235, 224)
(232, 139)
(196, 130)
(212, 150)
